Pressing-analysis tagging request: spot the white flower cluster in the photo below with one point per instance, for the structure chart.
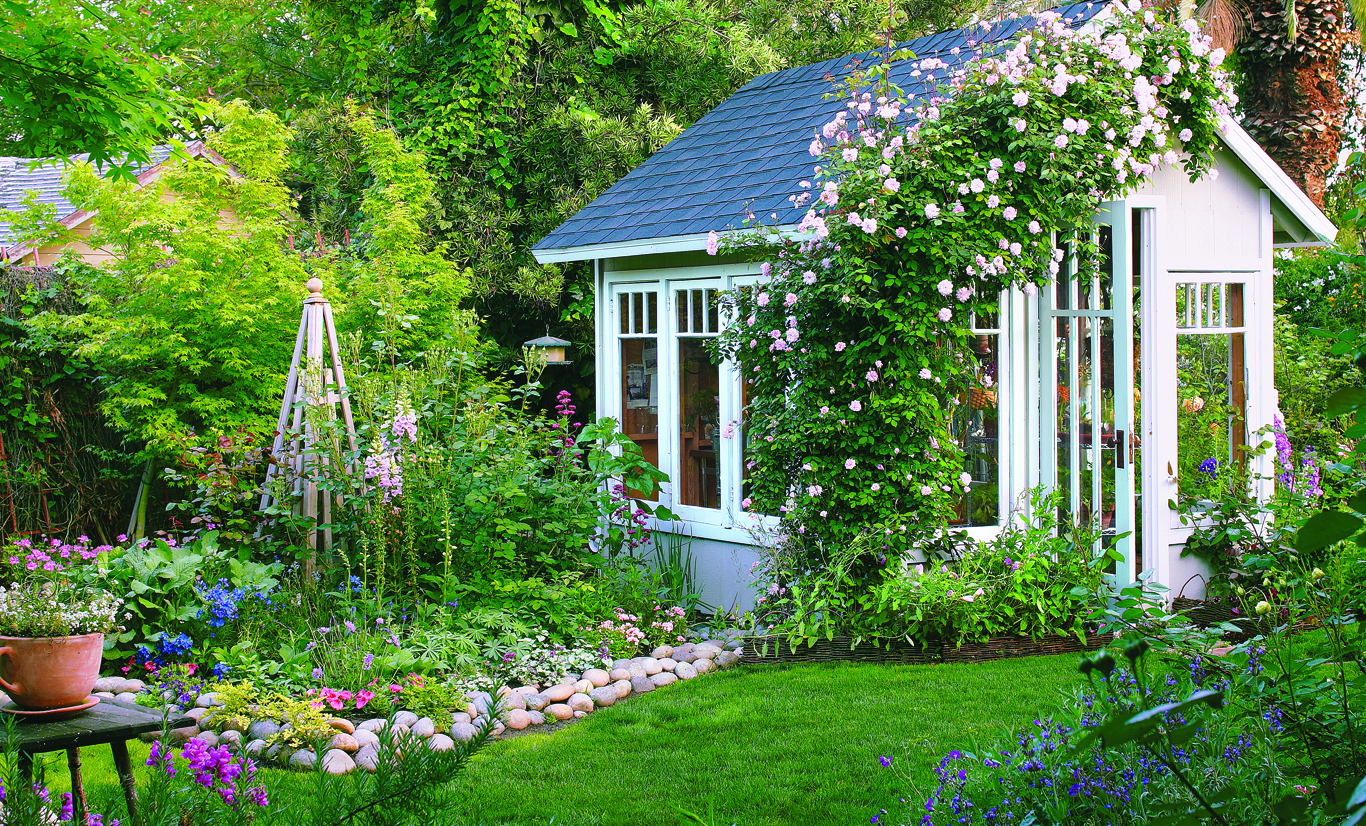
(53, 610)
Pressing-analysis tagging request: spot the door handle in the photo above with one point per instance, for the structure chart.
(1121, 450)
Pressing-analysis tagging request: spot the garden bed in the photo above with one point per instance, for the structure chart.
(777, 649)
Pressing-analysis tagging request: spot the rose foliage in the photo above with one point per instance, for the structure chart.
(923, 209)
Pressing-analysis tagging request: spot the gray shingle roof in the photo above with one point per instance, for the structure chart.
(752, 149)
(16, 179)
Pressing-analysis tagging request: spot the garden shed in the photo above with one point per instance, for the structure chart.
(1080, 390)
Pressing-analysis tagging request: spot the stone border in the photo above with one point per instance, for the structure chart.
(356, 745)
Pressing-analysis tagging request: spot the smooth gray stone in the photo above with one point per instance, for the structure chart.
(726, 659)
(403, 718)
(210, 700)
(663, 678)
(424, 727)
(604, 696)
(337, 761)
(368, 758)
(642, 685)
(262, 730)
(106, 685)
(303, 759)
(464, 732)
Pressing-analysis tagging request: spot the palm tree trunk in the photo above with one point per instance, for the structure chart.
(1292, 87)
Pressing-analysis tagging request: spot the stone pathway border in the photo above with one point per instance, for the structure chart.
(514, 709)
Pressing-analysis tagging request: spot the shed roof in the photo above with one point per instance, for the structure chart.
(751, 150)
(748, 154)
(19, 176)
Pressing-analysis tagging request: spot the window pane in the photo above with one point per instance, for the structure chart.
(624, 311)
(1211, 429)
(699, 428)
(638, 312)
(976, 429)
(640, 396)
(652, 307)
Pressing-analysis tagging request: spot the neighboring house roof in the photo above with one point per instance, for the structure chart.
(17, 178)
(748, 154)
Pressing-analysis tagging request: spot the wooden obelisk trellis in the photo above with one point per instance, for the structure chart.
(314, 381)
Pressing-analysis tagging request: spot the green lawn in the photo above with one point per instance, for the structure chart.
(760, 745)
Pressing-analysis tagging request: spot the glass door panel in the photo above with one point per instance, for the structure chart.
(1086, 397)
(699, 400)
(637, 329)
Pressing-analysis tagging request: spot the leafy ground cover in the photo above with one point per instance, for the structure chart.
(761, 745)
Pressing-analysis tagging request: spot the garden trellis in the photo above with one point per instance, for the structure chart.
(304, 446)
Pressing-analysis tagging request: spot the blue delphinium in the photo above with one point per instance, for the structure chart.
(177, 646)
(223, 602)
(1210, 467)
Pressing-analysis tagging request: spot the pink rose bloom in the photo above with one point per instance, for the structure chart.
(849, 464)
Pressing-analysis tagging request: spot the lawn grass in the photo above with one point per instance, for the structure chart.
(758, 745)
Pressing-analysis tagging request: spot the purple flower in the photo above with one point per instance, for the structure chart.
(885, 761)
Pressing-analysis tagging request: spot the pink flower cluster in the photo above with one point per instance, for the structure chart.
(54, 555)
(339, 698)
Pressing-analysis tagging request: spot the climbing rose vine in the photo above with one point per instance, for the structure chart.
(922, 209)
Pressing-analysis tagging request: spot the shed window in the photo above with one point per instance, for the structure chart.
(976, 426)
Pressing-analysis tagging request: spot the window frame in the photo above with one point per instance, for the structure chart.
(729, 522)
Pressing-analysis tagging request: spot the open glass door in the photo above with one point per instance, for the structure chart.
(1086, 405)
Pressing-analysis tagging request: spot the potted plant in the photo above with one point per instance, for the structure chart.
(53, 618)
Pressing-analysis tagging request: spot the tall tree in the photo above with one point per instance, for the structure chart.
(1292, 85)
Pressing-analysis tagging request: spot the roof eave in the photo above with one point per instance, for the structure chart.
(626, 249)
(1282, 187)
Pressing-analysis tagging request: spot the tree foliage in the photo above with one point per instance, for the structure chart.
(82, 77)
(190, 322)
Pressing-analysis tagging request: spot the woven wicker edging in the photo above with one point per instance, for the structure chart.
(779, 650)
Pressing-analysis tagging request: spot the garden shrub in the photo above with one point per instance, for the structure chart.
(305, 718)
(430, 698)
(1031, 579)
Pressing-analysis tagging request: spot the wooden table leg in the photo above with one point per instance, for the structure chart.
(125, 770)
(78, 805)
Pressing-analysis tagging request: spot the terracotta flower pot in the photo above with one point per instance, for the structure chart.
(50, 672)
